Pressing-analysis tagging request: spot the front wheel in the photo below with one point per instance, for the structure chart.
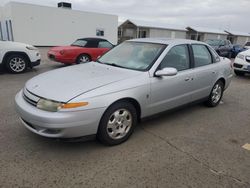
(117, 123)
(83, 59)
(16, 63)
(216, 94)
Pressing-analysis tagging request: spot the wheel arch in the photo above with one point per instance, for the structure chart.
(132, 101)
(223, 80)
(8, 54)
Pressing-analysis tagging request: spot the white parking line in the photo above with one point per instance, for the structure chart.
(246, 146)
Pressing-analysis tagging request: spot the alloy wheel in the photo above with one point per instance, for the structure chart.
(216, 93)
(119, 124)
(17, 64)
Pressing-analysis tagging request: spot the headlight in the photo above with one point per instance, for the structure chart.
(240, 56)
(248, 58)
(53, 106)
(62, 52)
(48, 105)
(31, 48)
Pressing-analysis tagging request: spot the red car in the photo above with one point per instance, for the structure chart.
(81, 51)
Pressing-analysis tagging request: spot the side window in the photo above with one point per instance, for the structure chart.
(216, 57)
(202, 56)
(104, 44)
(177, 57)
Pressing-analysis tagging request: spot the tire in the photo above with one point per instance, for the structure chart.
(84, 58)
(216, 94)
(112, 128)
(239, 73)
(16, 63)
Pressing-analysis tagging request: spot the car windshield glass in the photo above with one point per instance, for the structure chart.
(133, 55)
(214, 42)
(81, 43)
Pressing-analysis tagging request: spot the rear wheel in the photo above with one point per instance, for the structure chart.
(16, 63)
(84, 58)
(117, 123)
(239, 73)
(216, 94)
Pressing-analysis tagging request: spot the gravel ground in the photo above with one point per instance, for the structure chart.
(195, 146)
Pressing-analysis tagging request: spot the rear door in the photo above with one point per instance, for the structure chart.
(205, 71)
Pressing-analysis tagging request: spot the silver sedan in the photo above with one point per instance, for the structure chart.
(136, 79)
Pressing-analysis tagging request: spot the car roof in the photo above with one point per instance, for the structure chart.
(167, 41)
(92, 39)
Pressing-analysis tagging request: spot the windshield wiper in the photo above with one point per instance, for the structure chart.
(110, 64)
(114, 65)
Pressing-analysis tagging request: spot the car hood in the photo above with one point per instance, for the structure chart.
(13, 44)
(59, 48)
(67, 83)
(245, 52)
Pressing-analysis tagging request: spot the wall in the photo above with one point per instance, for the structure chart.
(242, 40)
(214, 36)
(50, 26)
(167, 33)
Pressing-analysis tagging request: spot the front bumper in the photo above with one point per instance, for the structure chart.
(53, 56)
(35, 63)
(241, 65)
(58, 124)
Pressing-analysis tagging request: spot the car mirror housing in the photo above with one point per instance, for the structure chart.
(169, 71)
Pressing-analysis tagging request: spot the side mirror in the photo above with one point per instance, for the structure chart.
(169, 71)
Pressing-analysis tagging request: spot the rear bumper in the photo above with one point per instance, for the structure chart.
(58, 124)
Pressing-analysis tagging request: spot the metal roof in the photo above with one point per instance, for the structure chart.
(140, 23)
(238, 33)
(207, 30)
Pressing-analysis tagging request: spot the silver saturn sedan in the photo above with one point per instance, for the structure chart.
(136, 79)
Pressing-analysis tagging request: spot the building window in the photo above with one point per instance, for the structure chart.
(119, 33)
(99, 32)
(142, 34)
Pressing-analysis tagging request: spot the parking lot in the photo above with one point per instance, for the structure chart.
(194, 146)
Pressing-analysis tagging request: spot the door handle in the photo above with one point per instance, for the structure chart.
(187, 79)
(213, 72)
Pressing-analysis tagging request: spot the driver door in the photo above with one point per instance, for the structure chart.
(171, 91)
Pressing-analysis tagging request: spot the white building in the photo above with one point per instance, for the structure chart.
(52, 26)
(237, 37)
(203, 33)
(142, 29)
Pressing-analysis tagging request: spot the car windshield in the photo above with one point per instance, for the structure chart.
(247, 44)
(80, 43)
(214, 42)
(133, 55)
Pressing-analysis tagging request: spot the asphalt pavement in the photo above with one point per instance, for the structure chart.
(194, 146)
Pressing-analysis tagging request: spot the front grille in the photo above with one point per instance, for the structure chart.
(52, 57)
(30, 98)
(237, 65)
